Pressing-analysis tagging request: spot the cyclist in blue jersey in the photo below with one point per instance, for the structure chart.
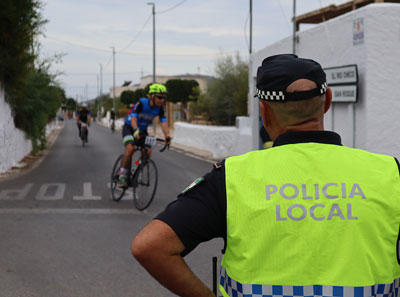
(134, 130)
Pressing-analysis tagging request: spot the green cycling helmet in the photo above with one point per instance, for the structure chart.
(157, 88)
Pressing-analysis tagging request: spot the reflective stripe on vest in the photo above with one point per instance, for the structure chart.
(311, 213)
(235, 289)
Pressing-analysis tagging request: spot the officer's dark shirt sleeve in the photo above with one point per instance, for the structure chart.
(199, 214)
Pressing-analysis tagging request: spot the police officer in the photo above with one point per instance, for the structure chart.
(308, 217)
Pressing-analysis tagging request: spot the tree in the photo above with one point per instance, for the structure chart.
(32, 92)
(182, 90)
(41, 98)
(139, 93)
(20, 24)
(226, 96)
(127, 97)
(71, 104)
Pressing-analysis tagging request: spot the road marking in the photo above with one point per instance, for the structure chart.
(44, 189)
(70, 211)
(15, 194)
(127, 195)
(87, 193)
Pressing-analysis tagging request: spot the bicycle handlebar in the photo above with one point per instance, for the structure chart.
(165, 146)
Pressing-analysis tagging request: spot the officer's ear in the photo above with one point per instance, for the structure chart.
(328, 99)
(266, 113)
(263, 111)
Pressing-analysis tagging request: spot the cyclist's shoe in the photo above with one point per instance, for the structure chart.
(122, 183)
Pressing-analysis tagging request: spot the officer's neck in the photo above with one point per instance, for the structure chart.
(306, 126)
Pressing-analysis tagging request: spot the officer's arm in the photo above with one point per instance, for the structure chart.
(158, 249)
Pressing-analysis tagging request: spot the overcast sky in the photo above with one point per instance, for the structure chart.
(190, 34)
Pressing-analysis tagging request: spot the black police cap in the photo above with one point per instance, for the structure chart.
(276, 73)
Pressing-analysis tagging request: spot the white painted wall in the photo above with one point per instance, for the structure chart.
(377, 113)
(220, 141)
(13, 144)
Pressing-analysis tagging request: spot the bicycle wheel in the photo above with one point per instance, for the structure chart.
(145, 184)
(83, 136)
(116, 193)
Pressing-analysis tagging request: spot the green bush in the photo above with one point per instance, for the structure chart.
(127, 97)
(37, 103)
(226, 96)
(181, 90)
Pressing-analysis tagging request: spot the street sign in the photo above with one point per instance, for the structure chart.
(344, 93)
(343, 81)
(341, 75)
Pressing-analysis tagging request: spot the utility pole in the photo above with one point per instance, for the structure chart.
(98, 94)
(251, 26)
(294, 27)
(154, 40)
(101, 90)
(113, 77)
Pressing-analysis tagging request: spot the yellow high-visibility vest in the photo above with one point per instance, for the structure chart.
(311, 219)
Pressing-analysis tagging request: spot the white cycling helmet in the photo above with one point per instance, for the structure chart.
(84, 105)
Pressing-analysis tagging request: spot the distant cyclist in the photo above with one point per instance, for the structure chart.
(83, 116)
(112, 119)
(136, 123)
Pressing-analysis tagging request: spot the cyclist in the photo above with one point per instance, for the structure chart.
(83, 116)
(134, 130)
(112, 118)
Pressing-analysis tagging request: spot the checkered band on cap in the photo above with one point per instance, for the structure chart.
(270, 95)
(323, 88)
(282, 96)
(236, 289)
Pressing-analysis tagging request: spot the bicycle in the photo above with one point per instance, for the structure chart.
(142, 177)
(84, 133)
(112, 126)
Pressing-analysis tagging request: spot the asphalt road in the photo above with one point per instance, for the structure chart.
(61, 235)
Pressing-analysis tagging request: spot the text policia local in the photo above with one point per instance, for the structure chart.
(318, 211)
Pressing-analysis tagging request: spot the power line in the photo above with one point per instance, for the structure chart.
(77, 44)
(104, 73)
(130, 53)
(244, 30)
(173, 7)
(137, 35)
(284, 14)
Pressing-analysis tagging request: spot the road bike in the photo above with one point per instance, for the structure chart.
(84, 133)
(142, 176)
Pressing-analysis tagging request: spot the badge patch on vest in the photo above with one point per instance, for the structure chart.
(196, 182)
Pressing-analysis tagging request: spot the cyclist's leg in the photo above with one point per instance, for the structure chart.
(145, 133)
(129, 144)
(79, 128)
(86, 132)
